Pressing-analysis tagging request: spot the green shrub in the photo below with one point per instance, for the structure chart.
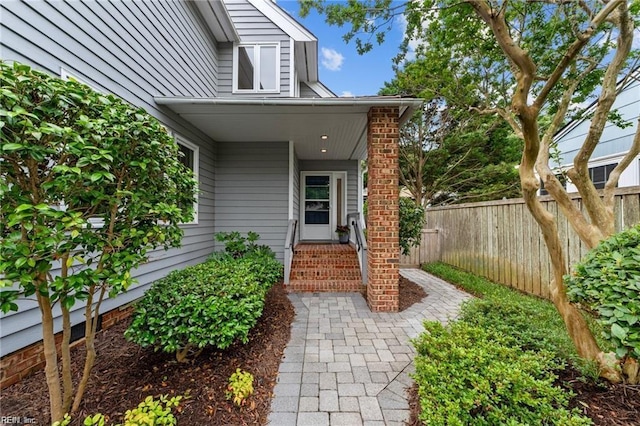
(237, 246)
(215, 303)
(412, 221)
(468, 376)
(607, 281)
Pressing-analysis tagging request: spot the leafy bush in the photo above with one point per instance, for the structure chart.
(468, 376)
(237, 246)
(412, 221)
(215, 303)
(607, 281)
(89, 184)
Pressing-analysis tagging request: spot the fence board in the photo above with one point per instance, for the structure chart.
(500, 239)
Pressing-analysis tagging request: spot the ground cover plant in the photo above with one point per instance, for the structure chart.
(89, 184)
(497, 321)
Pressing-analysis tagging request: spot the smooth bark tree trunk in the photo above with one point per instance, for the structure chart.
(51, 359)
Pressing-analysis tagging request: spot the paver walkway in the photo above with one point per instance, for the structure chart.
(346, 365)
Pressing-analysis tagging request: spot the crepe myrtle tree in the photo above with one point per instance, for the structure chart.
(89, 185)
(535, 64)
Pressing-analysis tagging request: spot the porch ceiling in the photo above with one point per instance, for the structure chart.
(304, 121)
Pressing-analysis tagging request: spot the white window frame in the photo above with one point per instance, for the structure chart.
(256, 72)
(180, 140)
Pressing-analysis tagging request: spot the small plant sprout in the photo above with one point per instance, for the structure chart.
(240, 387)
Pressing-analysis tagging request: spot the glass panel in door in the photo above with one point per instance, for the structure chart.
(317, 206)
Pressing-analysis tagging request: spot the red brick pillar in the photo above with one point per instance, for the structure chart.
(382, 214)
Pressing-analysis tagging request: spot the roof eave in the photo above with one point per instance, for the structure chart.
(406, 106)
(218, 19)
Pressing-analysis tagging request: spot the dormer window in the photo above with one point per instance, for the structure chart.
(256, 68)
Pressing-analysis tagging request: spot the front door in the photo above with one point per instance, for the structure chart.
(323, 204)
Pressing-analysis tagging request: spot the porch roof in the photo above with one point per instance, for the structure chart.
(302, 120)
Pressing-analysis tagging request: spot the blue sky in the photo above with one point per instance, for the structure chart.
(341, 68)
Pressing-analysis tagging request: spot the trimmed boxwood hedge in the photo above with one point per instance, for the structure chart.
(215, 303)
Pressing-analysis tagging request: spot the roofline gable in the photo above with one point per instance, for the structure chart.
(282, 19)
(217, 17)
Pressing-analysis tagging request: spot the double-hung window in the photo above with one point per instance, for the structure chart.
(256, 68)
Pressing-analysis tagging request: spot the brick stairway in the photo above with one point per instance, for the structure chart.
(325, 267)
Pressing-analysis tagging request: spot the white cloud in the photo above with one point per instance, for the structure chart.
(347, 94)
(331, 59)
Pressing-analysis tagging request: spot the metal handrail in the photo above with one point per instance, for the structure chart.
(290, 239)
(355, 220)
(289, 245)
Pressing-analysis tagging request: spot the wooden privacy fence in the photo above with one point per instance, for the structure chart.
(427, 251)
(501, 241)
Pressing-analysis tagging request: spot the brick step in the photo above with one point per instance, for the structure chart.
(325, 286)
(325, 267)
(312, 275)
(342, 264)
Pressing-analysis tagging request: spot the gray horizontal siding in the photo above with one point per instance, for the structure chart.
(350, 166)
(135, 50)
(307, 92)
(614, 140)
(253, 27)
(252, 185)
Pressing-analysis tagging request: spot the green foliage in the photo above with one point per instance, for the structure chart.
(412, 221)
(467, 375)
(607, 281)
(240, 387)
(88, 182)
(150, 412)
(237, 246)
(526, 321)
(215, 303)
(449, 155)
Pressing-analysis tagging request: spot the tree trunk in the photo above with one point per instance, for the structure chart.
(90, 328)
(577, 327)
(51, 359)
(65, 353)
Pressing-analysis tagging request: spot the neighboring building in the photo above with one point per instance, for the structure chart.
(237, 83)
(613, 145)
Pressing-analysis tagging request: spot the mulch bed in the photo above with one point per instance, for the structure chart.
(126, 374)
(410, 293)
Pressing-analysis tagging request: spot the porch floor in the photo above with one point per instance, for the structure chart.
(325, 267)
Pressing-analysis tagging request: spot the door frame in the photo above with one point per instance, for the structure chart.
(333, 213)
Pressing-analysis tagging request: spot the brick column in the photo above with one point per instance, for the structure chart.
(382, 215)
